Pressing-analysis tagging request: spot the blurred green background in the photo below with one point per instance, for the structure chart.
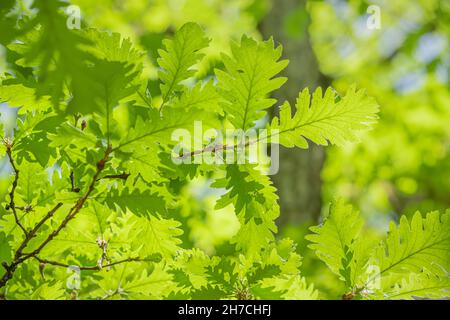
(401, 166)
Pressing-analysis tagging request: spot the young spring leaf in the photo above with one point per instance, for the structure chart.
(424, 285)
(178, 58)
(423, 243)
(334, 240)
(250, 76)
(323, 120)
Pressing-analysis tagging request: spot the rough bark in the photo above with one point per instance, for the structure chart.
(298, 180)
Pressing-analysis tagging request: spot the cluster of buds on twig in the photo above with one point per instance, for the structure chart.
(8, 143)
(104, 258)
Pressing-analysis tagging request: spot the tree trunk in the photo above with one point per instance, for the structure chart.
(298, 180)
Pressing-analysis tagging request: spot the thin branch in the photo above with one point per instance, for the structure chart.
(18, 256)
(12, 204)
(97, 267)
(215, 148)
(21, 257)
(76, 208)
(32, 233)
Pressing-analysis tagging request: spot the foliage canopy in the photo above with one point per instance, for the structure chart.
(92, 187)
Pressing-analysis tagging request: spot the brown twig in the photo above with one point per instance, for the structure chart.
(20, 257)
(352, 294)
(97, 267)
(8, 144)
(33, 231)
(76, 208)
(224, 147)
(215, 148)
